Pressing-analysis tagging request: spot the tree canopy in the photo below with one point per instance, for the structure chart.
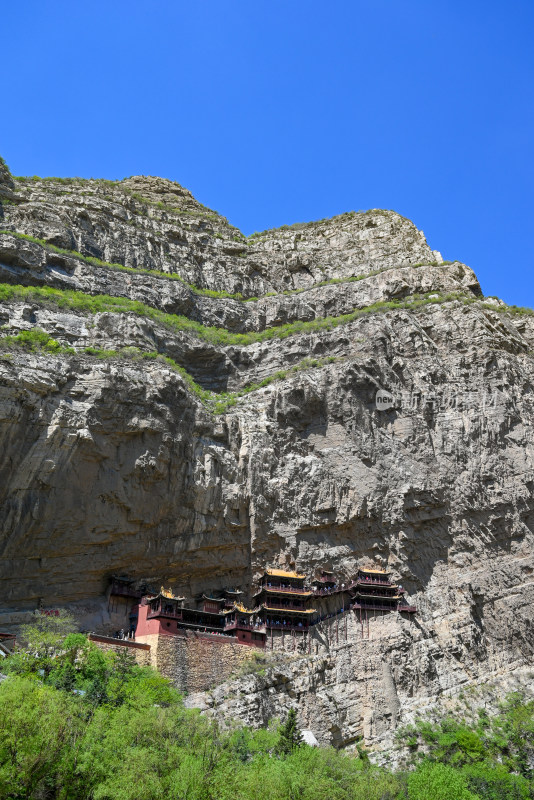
(77, 723)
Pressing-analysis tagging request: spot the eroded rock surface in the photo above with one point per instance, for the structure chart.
(112, 465)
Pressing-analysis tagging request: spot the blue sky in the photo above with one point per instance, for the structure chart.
(279, 112)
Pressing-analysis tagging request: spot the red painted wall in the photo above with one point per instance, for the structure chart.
(146, 626)
(170, 627)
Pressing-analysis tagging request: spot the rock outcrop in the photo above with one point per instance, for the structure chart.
(111, 464)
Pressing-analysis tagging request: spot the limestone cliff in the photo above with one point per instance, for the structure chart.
(251, 435)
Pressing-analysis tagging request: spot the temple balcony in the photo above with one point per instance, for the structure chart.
(232, 626)
(278, 625)
(374, 606)
(271, 587)
(374, 582)
(382, 594)
(173, 613)
(324, 592)
(285, 606)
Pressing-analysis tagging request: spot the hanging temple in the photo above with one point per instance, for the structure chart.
(282, 604)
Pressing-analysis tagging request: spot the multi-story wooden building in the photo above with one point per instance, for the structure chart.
(284, 600)
(375, 591)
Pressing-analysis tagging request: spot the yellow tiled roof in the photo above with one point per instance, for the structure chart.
(291, 610)
(169, 595)
(374, 571)
(280, 573)
(244, 610)
(241, 609)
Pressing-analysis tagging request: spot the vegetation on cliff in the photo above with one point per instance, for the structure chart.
(214, 294)
(100, 303)
(82, 724)
(37, 339)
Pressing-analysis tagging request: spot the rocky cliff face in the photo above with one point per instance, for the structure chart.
(205, 406)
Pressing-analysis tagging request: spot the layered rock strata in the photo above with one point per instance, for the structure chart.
(110, 464)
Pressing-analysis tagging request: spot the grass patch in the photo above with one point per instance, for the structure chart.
(514, 311)
(64, 181)
(213, 293)
(217, 402)
(94, 304)
(35, 339)
(97, 262)
(255, 665)
(38, 340)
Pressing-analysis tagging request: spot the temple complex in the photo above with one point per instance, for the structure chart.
(202, 641)
(282, 602)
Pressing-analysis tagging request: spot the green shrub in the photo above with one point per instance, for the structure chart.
(438, 782)
(34, 339)
(94, 304)
(214, 293)
(490, 782)
(101, 303)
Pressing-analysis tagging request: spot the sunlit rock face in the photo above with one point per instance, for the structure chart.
(112, 465)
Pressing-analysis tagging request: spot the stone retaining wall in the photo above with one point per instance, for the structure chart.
(195, 662)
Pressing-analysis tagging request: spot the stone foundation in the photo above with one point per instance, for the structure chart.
(195, 662)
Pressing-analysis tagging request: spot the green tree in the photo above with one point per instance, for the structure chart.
(438, 782)
(496, 783)
(289, 735)
(45, 635)
(39, 727)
